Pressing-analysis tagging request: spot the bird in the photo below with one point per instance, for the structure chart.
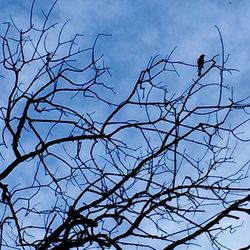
(200, 63)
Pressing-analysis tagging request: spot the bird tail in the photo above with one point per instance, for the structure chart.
(199, 72)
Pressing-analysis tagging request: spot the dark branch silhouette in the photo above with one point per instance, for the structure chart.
(83, 168)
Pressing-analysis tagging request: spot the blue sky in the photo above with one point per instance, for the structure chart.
(144, 28)
(141, 29)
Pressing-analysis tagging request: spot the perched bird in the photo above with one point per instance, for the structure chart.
(200, 64)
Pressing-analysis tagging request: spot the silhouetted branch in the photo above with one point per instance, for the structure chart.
(154, 170)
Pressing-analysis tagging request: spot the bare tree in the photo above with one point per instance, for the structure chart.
(81, 170)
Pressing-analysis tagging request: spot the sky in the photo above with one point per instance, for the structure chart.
(141, 29)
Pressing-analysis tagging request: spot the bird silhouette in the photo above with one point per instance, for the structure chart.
(200, 64)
